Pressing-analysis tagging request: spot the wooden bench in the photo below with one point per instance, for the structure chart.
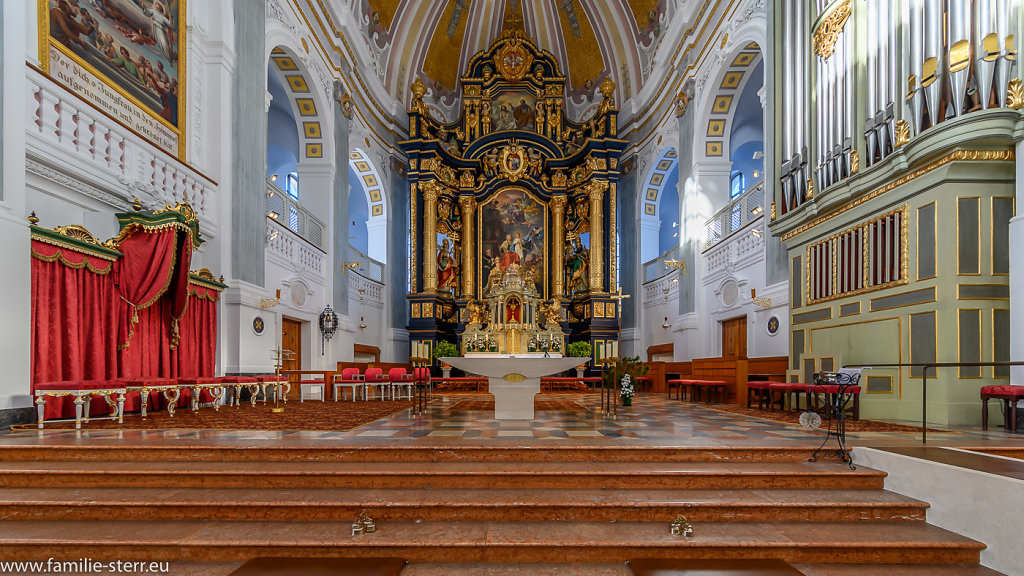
(112, 391)
(568, 383)
(1008, 395)
(461, 384)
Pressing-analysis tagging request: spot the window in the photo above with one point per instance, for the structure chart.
(292, 185)
(736, 186)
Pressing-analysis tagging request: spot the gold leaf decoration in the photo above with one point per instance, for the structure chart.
(1015, 94)
(827, 34)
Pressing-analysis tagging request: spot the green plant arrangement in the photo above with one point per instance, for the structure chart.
(579, 349)
(445, 349)
(630, 366)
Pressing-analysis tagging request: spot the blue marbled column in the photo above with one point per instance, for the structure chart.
(398, 258)
(249, 135)
(341, 191)
(688, 248)
(629, 249)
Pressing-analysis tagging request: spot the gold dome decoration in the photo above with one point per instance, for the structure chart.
(513, 61)
(419, 90)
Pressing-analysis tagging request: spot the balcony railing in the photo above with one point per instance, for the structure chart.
(368, 267)
(743, 210)
(657, 268)
(289, 213)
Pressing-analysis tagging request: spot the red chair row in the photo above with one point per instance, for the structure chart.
(376, 382)
(789, 395)
(118, 392)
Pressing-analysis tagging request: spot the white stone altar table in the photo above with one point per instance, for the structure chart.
(513, 379)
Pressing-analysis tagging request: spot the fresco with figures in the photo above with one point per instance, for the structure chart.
(130, 46)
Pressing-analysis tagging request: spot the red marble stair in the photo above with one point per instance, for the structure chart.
(458, 504)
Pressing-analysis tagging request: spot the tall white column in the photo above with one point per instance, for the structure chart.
(15, 258)
(1017, 276)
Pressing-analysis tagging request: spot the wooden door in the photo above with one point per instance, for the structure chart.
(291, 339)
(734, 338)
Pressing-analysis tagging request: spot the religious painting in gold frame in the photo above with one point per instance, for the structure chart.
(124, 57)
(512, 231)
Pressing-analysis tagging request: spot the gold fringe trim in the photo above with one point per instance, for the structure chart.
(59, 257)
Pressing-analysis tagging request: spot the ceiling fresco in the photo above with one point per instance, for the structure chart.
(434, 41)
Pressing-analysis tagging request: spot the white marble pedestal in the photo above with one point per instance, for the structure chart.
(514, 380)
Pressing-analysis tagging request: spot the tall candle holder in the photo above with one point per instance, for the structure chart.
(279, 356)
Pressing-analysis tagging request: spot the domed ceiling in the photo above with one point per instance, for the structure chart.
(434, 41)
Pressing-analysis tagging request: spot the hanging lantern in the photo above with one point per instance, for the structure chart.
(328, 326)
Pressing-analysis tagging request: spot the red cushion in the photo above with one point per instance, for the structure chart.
(788, 386)
(80, 385)
(311, 381)
(709, 383)
(759, 385)
(256, 378)
(1003, 390)
(832, 389)
(349, 373)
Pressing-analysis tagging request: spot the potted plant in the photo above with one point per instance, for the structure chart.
(625, 372)
(580, 349)
(445, 349)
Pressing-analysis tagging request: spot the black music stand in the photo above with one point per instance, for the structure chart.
(837, 396)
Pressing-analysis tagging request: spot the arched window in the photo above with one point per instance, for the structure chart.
(736, 186)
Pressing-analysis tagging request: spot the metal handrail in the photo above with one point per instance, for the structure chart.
(924, 380)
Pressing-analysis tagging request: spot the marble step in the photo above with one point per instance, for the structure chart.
(505, 542)
(66, 449)
(458, 505)
(525, 569)
(893, 570)
(202, 474)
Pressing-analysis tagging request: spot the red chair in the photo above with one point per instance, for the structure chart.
(373, 378)
(349, 378)
(400, 379)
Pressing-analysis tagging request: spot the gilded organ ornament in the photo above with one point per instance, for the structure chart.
(1015, 94)
(827, 34)
(514, 161)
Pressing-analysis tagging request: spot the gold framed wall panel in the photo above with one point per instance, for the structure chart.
(959, 272)
(995, 338)
(934, 240)
(47, 45)
(960, 345)
(992, 231)
(935, 341)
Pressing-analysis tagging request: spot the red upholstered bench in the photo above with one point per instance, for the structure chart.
(1009, 395)
(205, 389)
(281, 384)
(147, 386)
(786, 390)
(705, 388)
(830, 389)
(643, 383)
(112, 391)
(760, 389)
(678, 384)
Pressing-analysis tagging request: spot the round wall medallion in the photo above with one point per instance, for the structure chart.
(773, 326)
(730, 294)
(258, 326)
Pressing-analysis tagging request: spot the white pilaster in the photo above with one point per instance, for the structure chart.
(1017, 276)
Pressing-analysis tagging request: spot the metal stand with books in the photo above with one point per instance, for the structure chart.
(837, 389)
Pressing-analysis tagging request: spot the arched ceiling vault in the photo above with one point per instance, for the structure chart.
(590, 39)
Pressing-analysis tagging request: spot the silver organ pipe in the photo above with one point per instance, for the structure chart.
(874, 78)
(846, 102)
(959, 50)
(801, 74)
(987, 45)
(933, 69)
(915, 93)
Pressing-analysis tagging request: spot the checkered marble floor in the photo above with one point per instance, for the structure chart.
(653, 419)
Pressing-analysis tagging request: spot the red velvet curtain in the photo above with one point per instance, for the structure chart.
(197, 352)
(74, 321)
(152, 279)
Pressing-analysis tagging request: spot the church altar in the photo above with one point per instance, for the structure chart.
(513, 379)
(513, 209)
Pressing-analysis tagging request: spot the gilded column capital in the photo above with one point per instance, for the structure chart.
(596, 189)
(430, 190)
(468, 203)
(558, 203)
